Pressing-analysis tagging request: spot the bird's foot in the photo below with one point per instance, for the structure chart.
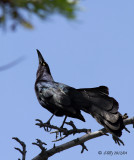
(125, 116)
(47, 126)
(61, 127)
(118, 140)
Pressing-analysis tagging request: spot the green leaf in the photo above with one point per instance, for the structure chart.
(26, 24)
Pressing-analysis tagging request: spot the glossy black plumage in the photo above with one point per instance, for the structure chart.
(61, 99)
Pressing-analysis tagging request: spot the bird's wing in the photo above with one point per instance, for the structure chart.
(57, 95)
(100, 90)
(99, 97)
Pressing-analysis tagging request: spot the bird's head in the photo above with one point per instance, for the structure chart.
(43, 71)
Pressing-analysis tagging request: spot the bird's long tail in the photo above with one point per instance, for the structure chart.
(104, 109)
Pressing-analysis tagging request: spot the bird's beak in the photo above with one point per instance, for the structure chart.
(41, 59)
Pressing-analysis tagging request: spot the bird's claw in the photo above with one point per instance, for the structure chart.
(47, 126)
(47, 129)
(125, 116)
(61, 127)
(118, 141)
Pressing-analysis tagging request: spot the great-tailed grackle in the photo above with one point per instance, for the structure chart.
(61, 99)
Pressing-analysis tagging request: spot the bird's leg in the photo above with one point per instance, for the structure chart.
(48, 122)
(63, 122)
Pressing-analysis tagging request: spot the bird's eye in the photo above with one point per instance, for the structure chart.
(43, 64)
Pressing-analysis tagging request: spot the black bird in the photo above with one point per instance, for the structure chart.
(61, 99)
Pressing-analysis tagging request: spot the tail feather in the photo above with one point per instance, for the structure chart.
(101, 90)
(116, 131)
(115, 106)
(113, 128)
(107, 115)
(104, 109)
(98, 98)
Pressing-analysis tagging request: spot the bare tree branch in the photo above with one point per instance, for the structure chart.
(64, 131)
(44, 155)
(23, 151)
(40, 144)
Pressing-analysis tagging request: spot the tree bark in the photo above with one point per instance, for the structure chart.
(79, 141)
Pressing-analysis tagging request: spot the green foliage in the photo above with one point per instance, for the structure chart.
(13, 11)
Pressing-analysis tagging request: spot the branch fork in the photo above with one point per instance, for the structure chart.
(45, 154)
(23, 151)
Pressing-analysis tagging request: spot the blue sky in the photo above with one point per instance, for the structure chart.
(97, 49)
